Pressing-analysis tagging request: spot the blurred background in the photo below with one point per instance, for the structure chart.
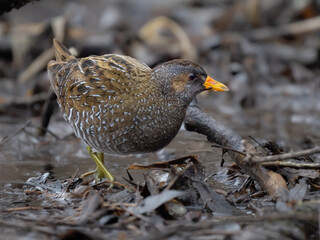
(266, 51)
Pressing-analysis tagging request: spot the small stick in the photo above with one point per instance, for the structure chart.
(71, 180)
(292, 164)
(227, 148)
(140, 216)
(257, 142)
(116, 183)
(285, 156)
(296, 28)
(8, 138)
(23, 209)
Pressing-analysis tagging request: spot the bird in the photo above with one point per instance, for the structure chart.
(118, 105)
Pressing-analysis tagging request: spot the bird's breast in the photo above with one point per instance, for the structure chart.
(126, 128)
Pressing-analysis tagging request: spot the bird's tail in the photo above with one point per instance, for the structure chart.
(61, 52)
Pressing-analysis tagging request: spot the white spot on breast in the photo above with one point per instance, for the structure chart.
(74, 97)
(87, 117)
(100, 139)
(79, 65)
(76, 127)
(81, 129)
(70, 114)
(99, 106)
(88, 131)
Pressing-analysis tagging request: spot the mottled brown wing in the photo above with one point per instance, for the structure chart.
(93, 79)
(98, 89)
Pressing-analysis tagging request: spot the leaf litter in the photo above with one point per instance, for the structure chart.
(267, 53)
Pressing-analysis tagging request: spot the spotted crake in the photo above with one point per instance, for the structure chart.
(117, 104)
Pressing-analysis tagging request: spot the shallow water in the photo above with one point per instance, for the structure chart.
(27, 155)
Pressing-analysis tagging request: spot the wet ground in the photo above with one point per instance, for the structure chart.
(27, 155)
(274, 95)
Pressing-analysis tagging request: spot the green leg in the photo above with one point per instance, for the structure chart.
(88, 173)
(101, 173)
(101, 170)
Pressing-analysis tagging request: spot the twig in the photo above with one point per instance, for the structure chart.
(8, 138)
(23, 102)
(30, 227)
(257, 142)
(36, 66)
(200, 122)
(58, 27)
(286, 155)
(227, 148)
(177, 176)
(23, 209)
(70, 181)
(50, 132)
(115, 183)
(41, 186)
(301, 27)
(46, 113)
(292, 164)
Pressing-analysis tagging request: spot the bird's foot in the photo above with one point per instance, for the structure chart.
(87, 174)
(101, 171)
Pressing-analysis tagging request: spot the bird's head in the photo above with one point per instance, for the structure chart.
(185, 79)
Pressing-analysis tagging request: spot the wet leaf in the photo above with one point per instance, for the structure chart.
(152, 202)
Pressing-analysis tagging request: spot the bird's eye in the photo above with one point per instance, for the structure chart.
(192, 76)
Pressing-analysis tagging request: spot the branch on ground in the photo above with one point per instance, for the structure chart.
(202, 123)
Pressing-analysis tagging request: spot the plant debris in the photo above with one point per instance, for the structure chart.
(252, 172)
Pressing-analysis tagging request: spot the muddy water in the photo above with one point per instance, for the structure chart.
(26, 155)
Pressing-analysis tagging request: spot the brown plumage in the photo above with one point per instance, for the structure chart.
(117, 104)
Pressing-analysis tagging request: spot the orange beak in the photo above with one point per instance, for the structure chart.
(214, 85)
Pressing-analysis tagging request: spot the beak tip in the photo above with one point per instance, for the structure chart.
(211, 84)
(226, 89)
